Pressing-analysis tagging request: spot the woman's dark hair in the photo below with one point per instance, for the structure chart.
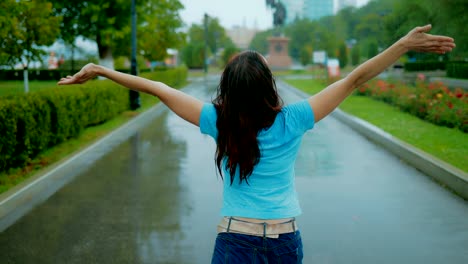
(247, 101)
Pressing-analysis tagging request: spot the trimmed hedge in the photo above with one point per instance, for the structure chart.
(48, 75)
(457, 70)
(34, 75)
(171, 76)
(33, 122)
(424, 66)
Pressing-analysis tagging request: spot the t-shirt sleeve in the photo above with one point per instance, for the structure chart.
(300, 116)
(208, 118)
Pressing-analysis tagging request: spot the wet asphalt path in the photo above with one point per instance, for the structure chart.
(156, 199)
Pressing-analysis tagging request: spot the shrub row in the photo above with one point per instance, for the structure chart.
(424, 66)
(433, 102)
(457, 70)
(48, 75)
(172, 76)
(31, 123)
(34, 75)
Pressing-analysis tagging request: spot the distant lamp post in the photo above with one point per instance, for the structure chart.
(134, 95)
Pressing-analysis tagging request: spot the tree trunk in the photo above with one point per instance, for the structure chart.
(26, 79)
(105, 53)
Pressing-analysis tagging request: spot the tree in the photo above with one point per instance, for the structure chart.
(107, 22)
(33, 26)
(300, 33)
(228, 53)
(260, 41)
(216, 35)
(355, 55)
(69, 28)
(372, 49)
(192, 55)
(305, 55)
(343, 55)
(216, 38)
(159, 18)
(9, 32)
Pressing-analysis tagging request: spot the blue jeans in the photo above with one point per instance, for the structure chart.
(239, 248)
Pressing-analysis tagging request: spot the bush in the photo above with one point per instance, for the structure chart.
(193, 55)
(228, 53)
(33, 75)
(171, 76)
(424, 66)
(434, 102)
(33, 122)
(457, 70)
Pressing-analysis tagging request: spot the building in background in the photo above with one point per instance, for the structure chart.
(340, 4)
(316, 9)
(242, 35)
(294, 9)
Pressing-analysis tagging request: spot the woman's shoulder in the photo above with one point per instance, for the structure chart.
(299, 115)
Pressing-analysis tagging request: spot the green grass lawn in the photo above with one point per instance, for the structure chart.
(447, 144)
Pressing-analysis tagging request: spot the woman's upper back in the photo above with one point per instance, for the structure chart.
(270, 191)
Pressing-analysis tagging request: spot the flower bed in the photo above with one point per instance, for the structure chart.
(433, 102)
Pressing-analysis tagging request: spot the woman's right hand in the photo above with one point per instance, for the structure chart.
(88, 72)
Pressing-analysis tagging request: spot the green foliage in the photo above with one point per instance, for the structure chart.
(343, 55)
(448, 17)
(33, 122)
(216, 34)
(301, 33)
(109, 24)
(228, 53)
(9, 32)
(376, 26)
(174, 77)
(434, 102)
(372, 49)
(260, 41)
(41, 75)
(457, 70)
(355, 55)
(215, 38)
(28, 26)
(159, 18)
(193, 55)
(305, 55)
(424, 66)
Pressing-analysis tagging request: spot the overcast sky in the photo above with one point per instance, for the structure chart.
(231, 12)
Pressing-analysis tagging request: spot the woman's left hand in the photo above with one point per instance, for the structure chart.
(418, 40)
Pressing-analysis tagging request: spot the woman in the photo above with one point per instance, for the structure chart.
(257, 143)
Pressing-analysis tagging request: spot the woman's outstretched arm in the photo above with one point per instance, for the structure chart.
(328, 99)
(184, 105)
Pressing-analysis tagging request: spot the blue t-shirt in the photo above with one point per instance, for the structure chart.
(271, 192)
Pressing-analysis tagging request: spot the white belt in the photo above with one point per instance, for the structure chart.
(233, 225)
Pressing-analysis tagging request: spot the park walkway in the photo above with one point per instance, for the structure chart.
(155, 198)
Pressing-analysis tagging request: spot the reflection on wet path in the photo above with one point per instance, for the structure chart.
(156, 198)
